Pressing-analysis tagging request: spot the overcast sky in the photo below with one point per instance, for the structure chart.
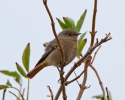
(26, 21)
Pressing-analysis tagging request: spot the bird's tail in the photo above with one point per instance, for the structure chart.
(34, 71)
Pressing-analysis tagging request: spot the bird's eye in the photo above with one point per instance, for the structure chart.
(69, 34)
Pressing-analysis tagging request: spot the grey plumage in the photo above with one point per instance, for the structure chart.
(52, 55)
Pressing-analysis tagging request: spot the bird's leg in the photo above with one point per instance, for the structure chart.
(58, 68)
(61, 73)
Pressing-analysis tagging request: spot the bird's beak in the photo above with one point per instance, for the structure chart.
(78, 33)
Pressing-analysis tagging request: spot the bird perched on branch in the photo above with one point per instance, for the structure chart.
(53, 56)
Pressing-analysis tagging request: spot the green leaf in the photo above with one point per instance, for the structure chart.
(26, 57)
(62, 25)
(81, 37)
(80, 21)
(20, 69)
(13, 74)
(69, 22)
(9, 73)
(8, 83)
(18, 81)
(3, 87)
(81, 46)
(98, 96)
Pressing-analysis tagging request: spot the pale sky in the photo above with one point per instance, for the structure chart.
(26, 21)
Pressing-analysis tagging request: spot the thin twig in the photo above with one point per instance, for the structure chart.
(51, 93)
(4, 91)
(54, 31)
(93, 24)
(107, 93)
(19, 93)
(77, 77)
(83, 87)
(63, 84)
(20, 90)
(100, 82)
(60, 47)
(14, 95)
(95, 54)
(81, 60)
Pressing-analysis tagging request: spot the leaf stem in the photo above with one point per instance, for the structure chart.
(28, 89)
(18, 91)
(15, 95)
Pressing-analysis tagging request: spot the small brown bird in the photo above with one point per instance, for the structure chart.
(53, 56)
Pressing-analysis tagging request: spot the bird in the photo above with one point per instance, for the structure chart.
(53, 56)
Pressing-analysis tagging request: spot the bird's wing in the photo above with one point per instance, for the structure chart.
(49, 49)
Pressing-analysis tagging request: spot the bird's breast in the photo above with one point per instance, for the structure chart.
(70, 49)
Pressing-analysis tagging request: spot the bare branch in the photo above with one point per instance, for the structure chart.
(100, 82)
(107, 93)
(54, 30)
(95, 54)
(83, 87)
(60, 47)
(51, 93)
(93, 23)
(81, 60)
(76, 79)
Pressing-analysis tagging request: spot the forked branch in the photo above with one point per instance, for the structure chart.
(81, 60)
(51, 93)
